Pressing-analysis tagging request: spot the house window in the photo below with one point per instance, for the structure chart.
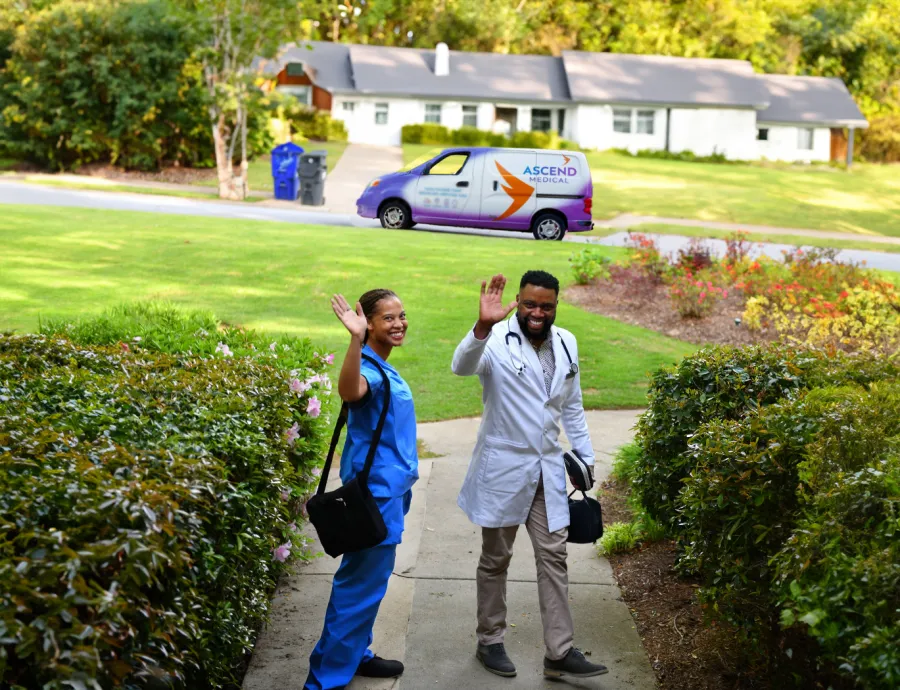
(762, 134)
(348, 106)
(295, 69)
(450, 165)
(381, 113)
(470, 116)
(433, 113)
(805, 139)
(622, 120)
(301, 93)
(645, 121)
(541, 120)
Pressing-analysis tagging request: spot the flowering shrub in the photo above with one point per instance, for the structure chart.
(737, 246)
(645, 255)
(696, 256)
(150, 500)
(694, 297)
(588, 264)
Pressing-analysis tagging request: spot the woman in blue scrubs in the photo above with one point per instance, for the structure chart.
(376, 326)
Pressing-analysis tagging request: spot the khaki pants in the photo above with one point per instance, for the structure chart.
(552, 580)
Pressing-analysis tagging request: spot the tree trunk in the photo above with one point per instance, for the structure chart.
(230, 187)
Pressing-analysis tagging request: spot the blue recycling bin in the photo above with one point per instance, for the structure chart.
(285, 161)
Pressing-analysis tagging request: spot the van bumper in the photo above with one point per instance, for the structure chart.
(585, 225)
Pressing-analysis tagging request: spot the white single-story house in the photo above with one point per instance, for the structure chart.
(598, 100)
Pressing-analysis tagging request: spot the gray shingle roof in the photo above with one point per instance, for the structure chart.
(813, 100)
(619, 78)
(575, 77)
(410, 72)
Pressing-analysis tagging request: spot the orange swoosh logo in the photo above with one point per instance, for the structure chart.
(566, 159)
(520, 192)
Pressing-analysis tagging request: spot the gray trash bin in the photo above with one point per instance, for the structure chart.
(312, 170)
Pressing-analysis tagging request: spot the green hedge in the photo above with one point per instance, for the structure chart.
(777, 472)
(438, 135)
(724, 383)
(147, 497)
(317, 125)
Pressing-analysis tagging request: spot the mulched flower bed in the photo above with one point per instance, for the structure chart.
(686, 651)
(652, 309)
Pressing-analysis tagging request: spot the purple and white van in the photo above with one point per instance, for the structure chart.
(545, 192)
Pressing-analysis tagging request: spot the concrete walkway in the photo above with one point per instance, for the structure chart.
(427, 618)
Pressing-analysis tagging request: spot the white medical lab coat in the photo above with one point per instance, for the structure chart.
(518, 441)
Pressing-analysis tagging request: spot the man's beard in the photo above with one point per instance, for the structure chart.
(530, 334)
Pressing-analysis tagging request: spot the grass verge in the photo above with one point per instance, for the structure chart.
(279, 277)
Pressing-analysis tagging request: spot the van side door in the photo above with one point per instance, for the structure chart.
(445, 191)
(508, 195)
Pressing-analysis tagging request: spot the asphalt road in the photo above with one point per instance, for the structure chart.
(13, 192)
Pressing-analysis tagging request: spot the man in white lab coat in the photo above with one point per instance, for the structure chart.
(529, 372)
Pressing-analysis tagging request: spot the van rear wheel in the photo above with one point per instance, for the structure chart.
(395, 215)
(548, 226)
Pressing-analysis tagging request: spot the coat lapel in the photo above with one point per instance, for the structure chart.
(562, 362)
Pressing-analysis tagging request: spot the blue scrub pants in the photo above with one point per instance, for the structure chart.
(356, 593)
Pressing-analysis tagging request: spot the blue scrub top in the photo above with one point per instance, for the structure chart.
(396, 465)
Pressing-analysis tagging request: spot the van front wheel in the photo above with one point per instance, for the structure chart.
(548, 226)
(395, 215)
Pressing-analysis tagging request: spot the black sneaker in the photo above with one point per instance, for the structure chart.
(493, 658)
(573, 664)
(376, 667)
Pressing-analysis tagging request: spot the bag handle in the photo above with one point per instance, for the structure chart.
(376, 437)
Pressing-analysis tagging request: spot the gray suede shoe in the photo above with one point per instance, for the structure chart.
(573, 665)
(493, 657)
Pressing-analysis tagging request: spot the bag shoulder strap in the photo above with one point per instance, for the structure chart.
(342, 420)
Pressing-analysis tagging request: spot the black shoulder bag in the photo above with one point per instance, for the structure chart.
(347, 519)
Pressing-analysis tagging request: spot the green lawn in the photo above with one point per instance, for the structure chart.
(279, 277)
(795, 240)
(260, 169)
(865, 200)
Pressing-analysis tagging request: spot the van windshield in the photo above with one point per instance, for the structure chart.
(424, 157)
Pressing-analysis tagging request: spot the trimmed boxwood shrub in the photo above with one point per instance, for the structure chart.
(838, 575)
(725, 383)
(148, 500)
(438, 135)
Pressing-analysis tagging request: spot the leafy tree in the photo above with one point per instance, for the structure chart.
(235, 33)
(100, 81)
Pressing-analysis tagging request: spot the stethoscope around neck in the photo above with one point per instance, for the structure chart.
(521, 366)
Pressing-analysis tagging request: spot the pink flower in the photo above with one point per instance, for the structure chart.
(329, 359)
(299, 387)
(314, 407)
(285, 495)
(725, 294)
(293, 527)
(224, 349)
(282, 552)
(317, 471)
(124, 347)
(292, 434)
